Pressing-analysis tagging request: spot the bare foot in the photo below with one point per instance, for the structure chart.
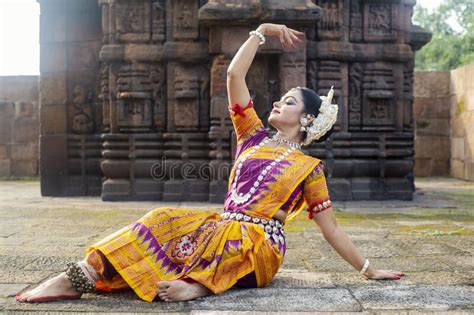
(179, 290)
(56, 288)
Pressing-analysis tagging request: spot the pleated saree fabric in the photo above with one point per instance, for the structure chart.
(170, 243)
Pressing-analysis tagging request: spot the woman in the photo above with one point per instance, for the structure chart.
(179, 254)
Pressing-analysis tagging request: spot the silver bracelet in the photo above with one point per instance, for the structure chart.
(259, 35)
(366, 266)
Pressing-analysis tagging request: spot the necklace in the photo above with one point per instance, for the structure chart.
(280, 140)
(240, 198)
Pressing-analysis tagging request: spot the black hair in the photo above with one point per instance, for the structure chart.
(311, 105)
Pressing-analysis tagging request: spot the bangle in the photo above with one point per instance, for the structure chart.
(366, 266)
(259, 35)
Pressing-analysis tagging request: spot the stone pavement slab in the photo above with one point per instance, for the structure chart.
(430, 238)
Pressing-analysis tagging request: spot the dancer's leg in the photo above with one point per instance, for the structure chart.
(89, 271)
(63, 286)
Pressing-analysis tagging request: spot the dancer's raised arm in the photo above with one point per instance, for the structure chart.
(237, 90)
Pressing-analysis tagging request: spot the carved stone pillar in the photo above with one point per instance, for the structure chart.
(364, 48)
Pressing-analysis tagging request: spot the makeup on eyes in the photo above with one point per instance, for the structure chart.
(286, 98)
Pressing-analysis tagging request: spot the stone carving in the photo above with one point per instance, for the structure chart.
(158, 87)
(185, 22)
(189, 86)
(380, 19)
(378, 97)
(356, 21)
(185, 114)
(104, 96)
(158, 21)
(355, 95)
(186, 82)
(331, 21)
(292, 71)
(132, 21)
(83, 117)
(134, 97)
(408, 80)
(311, 77)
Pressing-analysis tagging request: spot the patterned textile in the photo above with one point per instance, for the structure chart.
(182, 243)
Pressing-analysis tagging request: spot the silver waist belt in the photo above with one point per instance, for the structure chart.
(272, 227)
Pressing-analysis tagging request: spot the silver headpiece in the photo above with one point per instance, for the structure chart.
(326, 118)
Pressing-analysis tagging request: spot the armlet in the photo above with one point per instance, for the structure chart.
(237, 109)
(317, 207)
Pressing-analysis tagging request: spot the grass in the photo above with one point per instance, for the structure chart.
(20, 178)
(466, 198)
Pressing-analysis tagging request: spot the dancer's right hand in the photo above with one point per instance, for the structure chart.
(285, 34)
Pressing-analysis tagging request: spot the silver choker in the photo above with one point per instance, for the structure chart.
(276, 138)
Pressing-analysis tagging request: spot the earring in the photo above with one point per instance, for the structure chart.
(304, 122)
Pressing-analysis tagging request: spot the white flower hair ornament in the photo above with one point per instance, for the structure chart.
(317, 127)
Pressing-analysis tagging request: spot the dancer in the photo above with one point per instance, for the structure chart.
(179, 254)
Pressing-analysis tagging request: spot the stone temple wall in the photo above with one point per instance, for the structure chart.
(444, 115)
(19, 126)
(135, 108)
(431, 110)
(462, 122)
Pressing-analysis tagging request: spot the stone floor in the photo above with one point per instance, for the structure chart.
(430, 238)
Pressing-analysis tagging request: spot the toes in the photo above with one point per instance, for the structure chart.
(163, 285)
(23, 296)
(164, 297)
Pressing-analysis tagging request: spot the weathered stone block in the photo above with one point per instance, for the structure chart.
(458, 126)
(423, 167)
(432, 107)
(25, 129)
(5, 167)
(432, 84)
(4, 151)
(432, 147)
(458, 148)
(24, 151)
(53, 155)
(433, 127)
(53, 27)
(340, 188)
(85, 23)
(24, 168)
(83, 55)
(457, 168)
(441, 167)
(53, 119)
(7, 110)
(53, 89)
(53, 57)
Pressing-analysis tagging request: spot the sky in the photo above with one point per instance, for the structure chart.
(19, 35)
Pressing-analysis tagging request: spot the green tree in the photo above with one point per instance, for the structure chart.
(448, 48)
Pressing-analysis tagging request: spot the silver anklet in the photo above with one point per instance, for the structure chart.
(79, 280)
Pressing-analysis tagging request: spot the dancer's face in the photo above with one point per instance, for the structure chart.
(287, 111)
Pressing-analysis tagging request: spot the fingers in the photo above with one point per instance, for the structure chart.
(294, 34)
(282, 39)
(288, 39)
(294, 37)
(394, 275)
